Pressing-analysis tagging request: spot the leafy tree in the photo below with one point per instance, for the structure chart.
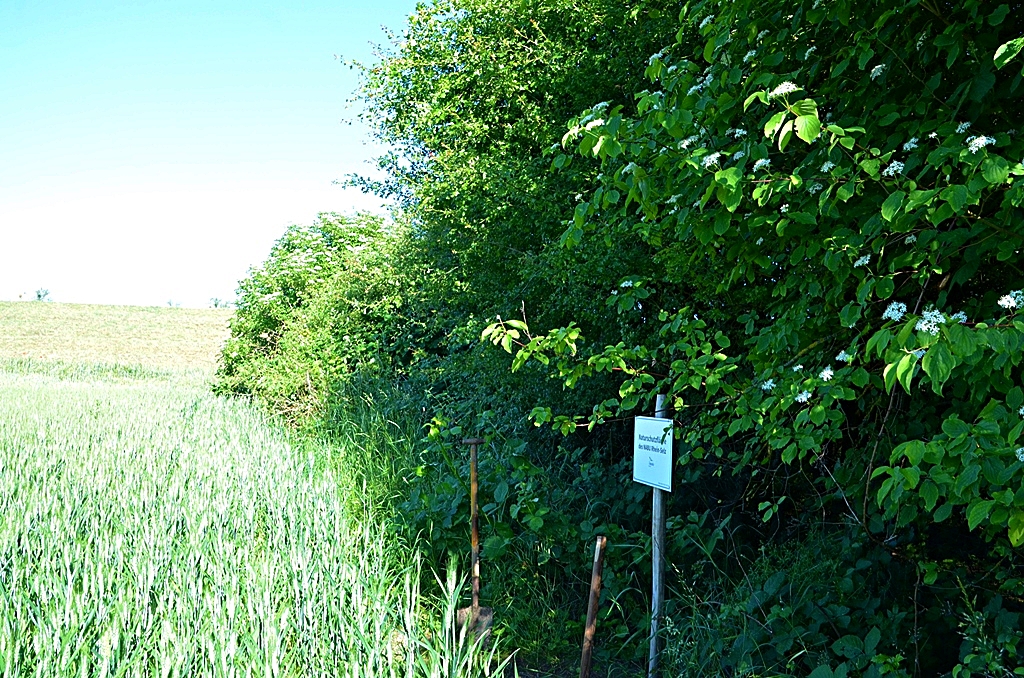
(830, 195)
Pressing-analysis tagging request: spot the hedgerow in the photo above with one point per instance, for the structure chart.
(800, 221)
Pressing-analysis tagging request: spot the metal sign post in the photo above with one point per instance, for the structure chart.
(652, 465)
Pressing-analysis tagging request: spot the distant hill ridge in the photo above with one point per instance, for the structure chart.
(151, 337)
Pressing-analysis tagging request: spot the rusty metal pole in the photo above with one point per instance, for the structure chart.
(595, 596)
(474, 521)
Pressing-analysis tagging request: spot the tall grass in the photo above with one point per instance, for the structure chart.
(148, 528)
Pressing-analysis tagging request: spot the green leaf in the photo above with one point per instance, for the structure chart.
(823, 671)
(709, 50)
(954, 427)
(871, 641)
(956, 196)
(930, 493)
(729, 177)
(913, 450)
(878, 342)
(774, 123)
(884, 287)
(501, 492)
(871, 167)
(938, 363)
(996, 17)
(1007, 51)
(1015, 398)
(995, 169)
(889, 376)
(760, 96)
(850, 314)
(808, 127)
(817, 415)
(1016, 531)
(846, 191)
(892, 204)
(494, 546)
(977, 512)
(806, 107)
(911, 475)
(785, 135)
(905, 370)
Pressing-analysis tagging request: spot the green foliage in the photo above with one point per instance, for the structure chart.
(863, 207)
(802, 222)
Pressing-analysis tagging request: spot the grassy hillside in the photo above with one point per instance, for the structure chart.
(148, 337)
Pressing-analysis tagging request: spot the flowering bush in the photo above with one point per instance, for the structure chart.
(903, 261)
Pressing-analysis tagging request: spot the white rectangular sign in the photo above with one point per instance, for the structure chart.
(652, 452)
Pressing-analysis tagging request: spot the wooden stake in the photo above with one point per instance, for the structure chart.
(657, 558)
(474, 521)
(595, 596)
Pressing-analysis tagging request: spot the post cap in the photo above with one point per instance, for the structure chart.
(473, 441)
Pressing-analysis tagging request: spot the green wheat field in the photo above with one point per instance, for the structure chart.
(149, 528)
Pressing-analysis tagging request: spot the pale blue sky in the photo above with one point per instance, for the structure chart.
(152, 151)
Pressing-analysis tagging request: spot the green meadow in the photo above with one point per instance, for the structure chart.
(150, 528)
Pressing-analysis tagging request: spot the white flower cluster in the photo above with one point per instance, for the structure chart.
(877, 71)
(930, 321)
(673, 199)
(894, 168)
(963, 127)
(826, 374)
(863, 261)
(910, 239)
(629, 168)
(708, 19)
(739, 155)
(783, 89)
(1014, 299)
(737, 133)
(803, 396)
(975, 144)
(784, 208)
(1021, 411)
(749, 55)
(762, 164)
(762, 34)
(711, 159)
(919, 353)
(654, 57)
(686, 143)
(960, 317)
(933, 135)
(768, 385)
(895, 311)
(910, 145)
(814, 188)
(828, 166)
(844, 357)
(797, 368)
(701, 84)
(1020, 454)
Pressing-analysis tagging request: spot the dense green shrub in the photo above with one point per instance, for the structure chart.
(849, 173)
(805, 228)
